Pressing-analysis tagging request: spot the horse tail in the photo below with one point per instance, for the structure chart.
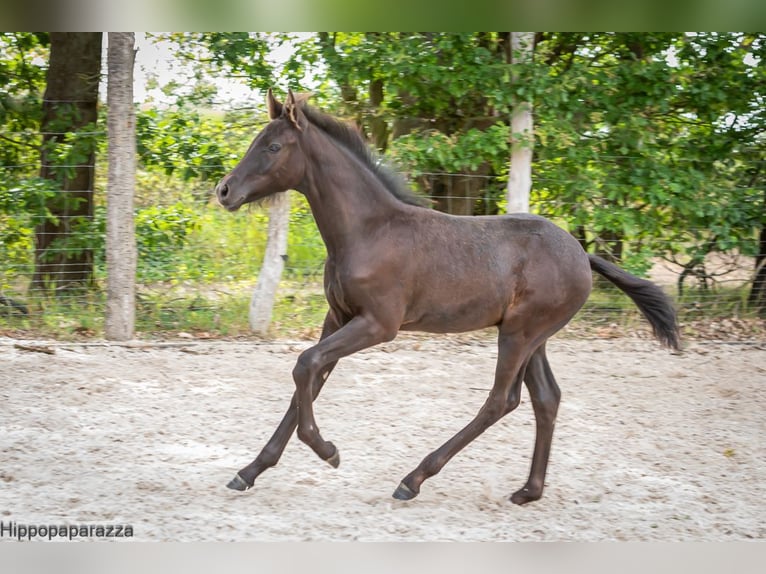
(652, 301)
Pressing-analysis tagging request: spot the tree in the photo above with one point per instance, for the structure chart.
(264, 294)
(757, 296)
(438, 103)
(68, 128)
(520, 172)
(120, 227)
(645, 142)
(22, 193)
(242, 53)
(638, 136)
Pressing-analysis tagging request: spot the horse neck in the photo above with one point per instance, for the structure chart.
(346, 197)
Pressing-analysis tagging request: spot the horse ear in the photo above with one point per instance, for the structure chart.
(302, 98)
(275, 108)
(293, 109)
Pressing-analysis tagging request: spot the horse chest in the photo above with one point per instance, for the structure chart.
(342, 288)
(336, 297)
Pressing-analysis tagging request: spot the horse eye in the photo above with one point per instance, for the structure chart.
(275, 147)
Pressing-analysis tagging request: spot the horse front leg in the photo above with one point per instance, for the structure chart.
(271, 453)
(361, 332)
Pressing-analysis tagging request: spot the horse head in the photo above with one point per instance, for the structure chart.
(274, 162)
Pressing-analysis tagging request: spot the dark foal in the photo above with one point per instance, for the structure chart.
(394, 265)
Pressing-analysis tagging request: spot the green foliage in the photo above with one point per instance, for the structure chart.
(462, 152)
(22, 202)
(224, 247)
(426, 75)
(72, 146)
(646, 140)
(22, 75)
(647, 145)
(26, 196)
(188, 144)
(241, 54)
(306, 251)
(162, 233)
(441, 101)
(22, 194)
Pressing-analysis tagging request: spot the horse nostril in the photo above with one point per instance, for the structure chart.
(223, 191)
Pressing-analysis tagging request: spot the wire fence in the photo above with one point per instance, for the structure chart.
(198, 264)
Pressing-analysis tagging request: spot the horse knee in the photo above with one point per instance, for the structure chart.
(307, 365)
(379, 332)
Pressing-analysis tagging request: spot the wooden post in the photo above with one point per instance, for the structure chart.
(264, 294)
(120, 227)
(520, 173)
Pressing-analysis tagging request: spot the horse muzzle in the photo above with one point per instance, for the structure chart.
(225, 196)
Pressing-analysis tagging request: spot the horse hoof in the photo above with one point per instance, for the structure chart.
(524, 496)
(238, 483)
(334, 460)
(404, 492)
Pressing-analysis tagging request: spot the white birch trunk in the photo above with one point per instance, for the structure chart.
(120, 228)
(520, 174)
(264, 294)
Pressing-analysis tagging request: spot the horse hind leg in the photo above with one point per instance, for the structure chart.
(503, 398)
(545, 396)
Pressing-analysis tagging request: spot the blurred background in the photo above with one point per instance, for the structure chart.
(648, 147)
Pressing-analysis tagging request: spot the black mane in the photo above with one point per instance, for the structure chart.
(350, 138)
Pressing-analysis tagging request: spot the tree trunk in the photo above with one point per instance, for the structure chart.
(609, 245)
(262, 300)
(378, 124)
(120, 228)
(757, 297)
(580, 234)
(520, 174)
(69, 106)
(454, 193)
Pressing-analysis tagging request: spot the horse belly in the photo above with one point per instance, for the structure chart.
(459, 307)
(446, 323)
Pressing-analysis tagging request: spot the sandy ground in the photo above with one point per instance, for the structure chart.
(648, 446)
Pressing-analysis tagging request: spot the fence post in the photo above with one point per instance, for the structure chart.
(520, 173)
(120, 228)
(262, 300)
